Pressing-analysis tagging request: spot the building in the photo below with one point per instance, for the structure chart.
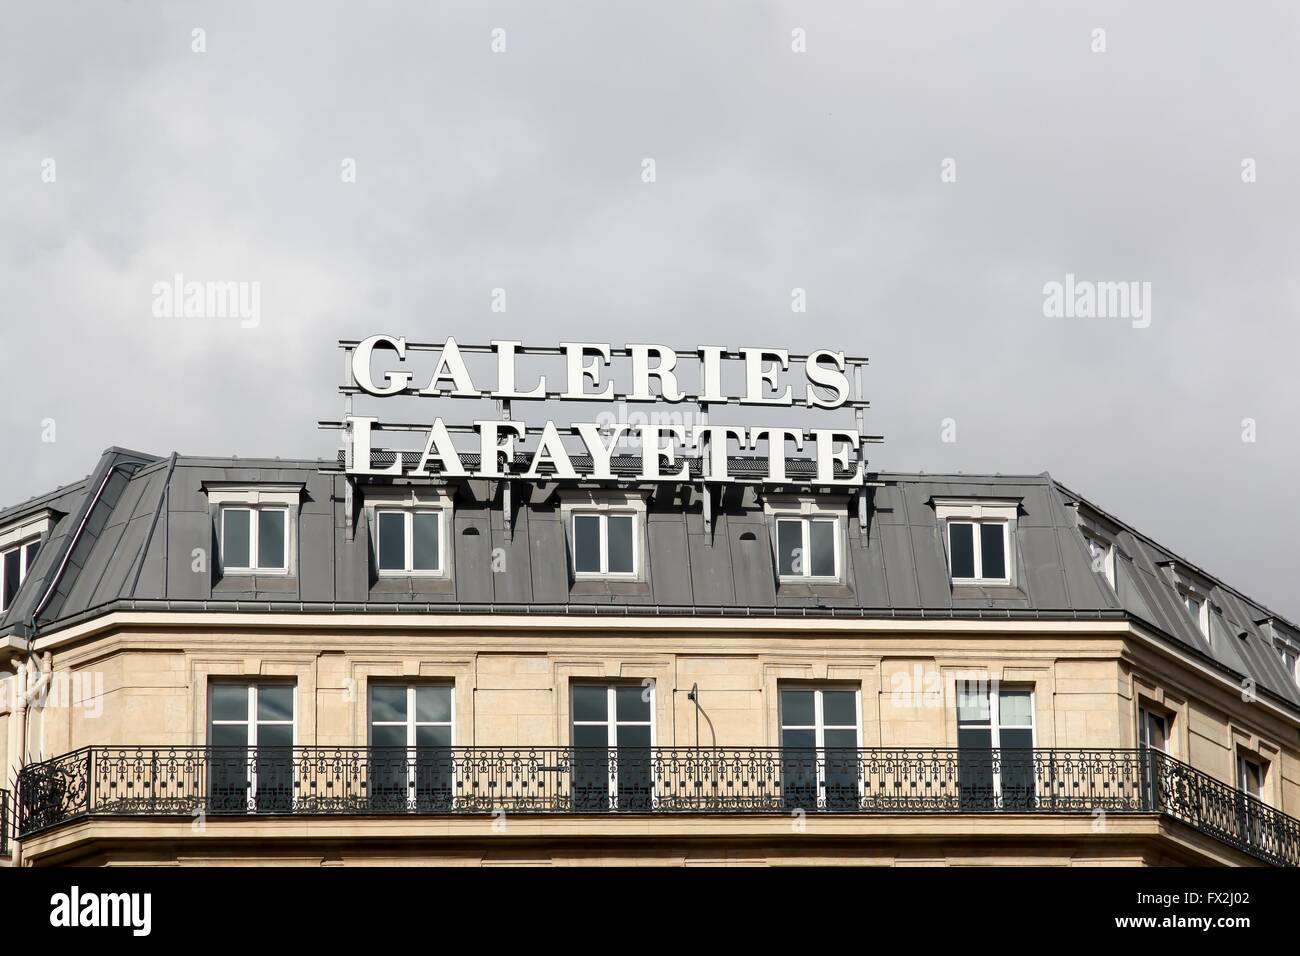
(266, 661)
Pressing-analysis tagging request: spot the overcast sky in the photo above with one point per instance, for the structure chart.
(774, 170)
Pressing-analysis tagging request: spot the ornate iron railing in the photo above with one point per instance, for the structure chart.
(4, 822)
(220, 781)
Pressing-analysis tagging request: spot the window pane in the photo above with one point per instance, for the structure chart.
(31, 549)
(11, 575)
(387, 702)
(633, 735)
(388, 735)
(275, 702)
(1014, 709)
(392, 541)
(235, 553)
(839, 708)
(797, 708)
(1156, 736)
(229, 702)
(962, 545)
(274, 735)
(586, 543)
(270, 538)
(993, 551)
(822, 535)
(789, 547)
(974, 738)
(972, 702)
(628, 704)
(229, 735)
(841, 739)
(430, 736)
(589, 702)
(620, 544)
(425, 541)
(433, 704)
(799, 739)
(591, 735)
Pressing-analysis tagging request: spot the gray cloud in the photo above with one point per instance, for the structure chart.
(775, 170)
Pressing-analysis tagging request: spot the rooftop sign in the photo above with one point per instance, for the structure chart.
(506, 372)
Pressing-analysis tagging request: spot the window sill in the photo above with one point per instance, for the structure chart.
(608, 586)
(988, 592)
(244, 581)
(413, 584)
(813, 589)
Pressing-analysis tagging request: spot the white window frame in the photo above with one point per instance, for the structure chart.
(814, 507)
(254, 539)
(412, 722)
(805, 525)
(251, 722)
(1145, 716)
(977, 546)
(819, 725)
(993, 691)
(409, 514)
(1107, 549)
(1243, 759)
(604, 514)
(1201, 613)
(234, 495)
(611, 723)
(977, 512)
(24, 567)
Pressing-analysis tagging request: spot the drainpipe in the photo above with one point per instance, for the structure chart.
(29, 684)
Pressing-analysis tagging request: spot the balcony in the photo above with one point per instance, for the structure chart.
(4, 822)
(353, 781)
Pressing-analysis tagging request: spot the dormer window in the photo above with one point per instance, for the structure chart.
(808, 536)
(978, 536)
(807, 548)
(606, 535)
(1102, 556)
(257, 527)
(19, 544)
(255, 540)
(604, 543)
(15, 563)
(410, 531)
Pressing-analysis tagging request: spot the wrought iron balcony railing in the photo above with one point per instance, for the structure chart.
(221, 781)
(4, 822)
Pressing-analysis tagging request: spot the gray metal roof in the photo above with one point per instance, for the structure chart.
(130, 530)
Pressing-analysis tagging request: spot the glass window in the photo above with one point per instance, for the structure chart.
(605, 544)
(15, 564)
(426, 546)
(392, 541)
(995, 740)
(985, 563)
(819, 747)
(235, 538)
(620, 543)
(807, 548)
(1102, 556)
(1250, 776)
(612, 734)
(412, 765)
(250, 740)
(961, 548)
(409, 542)
(270, 538)
(246, 532)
